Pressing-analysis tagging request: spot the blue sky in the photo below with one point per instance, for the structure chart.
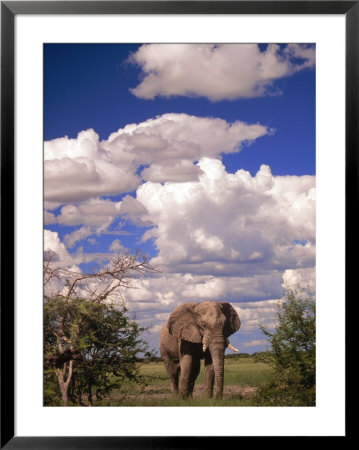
(203, 156)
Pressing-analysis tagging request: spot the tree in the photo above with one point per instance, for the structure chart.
(84, 322)
(107, 339)
(292, 352)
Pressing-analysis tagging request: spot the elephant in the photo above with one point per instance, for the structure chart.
(196, 331)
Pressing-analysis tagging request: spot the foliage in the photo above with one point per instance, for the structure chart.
(292, 353)
(237, 355)
(90, 343)
(52, 393)
(107, 339)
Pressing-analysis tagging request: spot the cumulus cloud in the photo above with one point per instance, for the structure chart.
(78, 169)
(83, 168)
(78, 172)
(56, 251)
(232, 223)
(299, 277)
(179, 171)
(132, 209)
(216, 71)
(169, 144)
(95, 212)
(170, 290)
(255, 314)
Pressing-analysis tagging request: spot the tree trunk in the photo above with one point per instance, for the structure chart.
(89, 395)
(64, 385)
(63, 389)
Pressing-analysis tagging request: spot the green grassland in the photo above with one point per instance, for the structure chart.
(242, 377)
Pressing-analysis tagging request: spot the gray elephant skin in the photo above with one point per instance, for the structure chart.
(196, 331)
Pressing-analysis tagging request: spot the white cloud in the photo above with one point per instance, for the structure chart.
(78, 235)
(216, 71)
(49, 218)
(303, 52)
(117, 247)
(56, 251)
(169, 144)
(299, 277)
(78, 169)
(232, 224)
(83, 168)
(255, 343)
(180, 171)
(163, 293)
(94, 212)
(130, 208)
(256, 314)
(86, 145)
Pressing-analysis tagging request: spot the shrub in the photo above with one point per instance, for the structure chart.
(107, 339)
(292, 353)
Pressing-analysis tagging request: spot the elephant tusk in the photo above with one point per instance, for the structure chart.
(230, 346)
(204, 347)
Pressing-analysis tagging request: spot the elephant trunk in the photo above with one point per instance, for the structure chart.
(217, 352)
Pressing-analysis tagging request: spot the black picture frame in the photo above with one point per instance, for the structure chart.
(9, 9)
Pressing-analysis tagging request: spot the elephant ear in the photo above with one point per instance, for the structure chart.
(181, 323)
(232, 323)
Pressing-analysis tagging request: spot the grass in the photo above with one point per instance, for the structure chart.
(242, 377)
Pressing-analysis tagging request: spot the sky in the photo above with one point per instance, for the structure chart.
(202, 156)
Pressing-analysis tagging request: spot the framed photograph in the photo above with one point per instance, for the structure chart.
(175, 235)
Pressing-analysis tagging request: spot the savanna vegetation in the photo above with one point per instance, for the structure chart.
(292, 354)
(90, 342)
(243, 376)
(95, 353)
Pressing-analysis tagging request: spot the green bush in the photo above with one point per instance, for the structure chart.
(291, 354)
(107, 339)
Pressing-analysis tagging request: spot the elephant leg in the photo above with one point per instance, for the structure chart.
(196, 366)
(186, 374)
(173, 369)
(208, 374)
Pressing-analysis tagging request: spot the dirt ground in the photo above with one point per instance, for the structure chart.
(228, 391)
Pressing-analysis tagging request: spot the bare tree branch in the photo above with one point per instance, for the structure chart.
(119, 272)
